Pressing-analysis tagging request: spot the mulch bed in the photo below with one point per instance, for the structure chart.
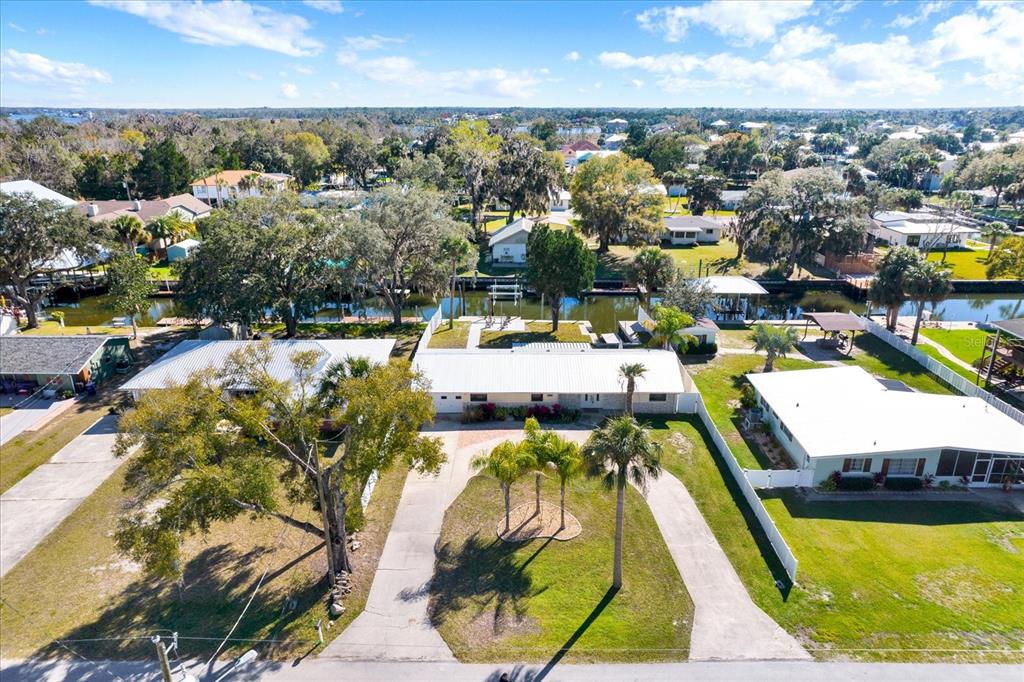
(525, 524)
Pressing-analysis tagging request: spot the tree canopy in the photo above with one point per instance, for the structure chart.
(614, 200)
(558, 263)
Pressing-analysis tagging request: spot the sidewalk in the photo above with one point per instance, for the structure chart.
(29, 413)
(38, 503)
(727, 625)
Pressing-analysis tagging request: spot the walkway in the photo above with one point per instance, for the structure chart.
(28, 414)
(727, 625)
(38, 503)
(394, 625)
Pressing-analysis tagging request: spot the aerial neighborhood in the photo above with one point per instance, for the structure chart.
(510, 392)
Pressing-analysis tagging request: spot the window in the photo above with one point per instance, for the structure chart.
(536, 397)
(914, 240)
(906, 466)
(658, 397)
(444, 397)
(947, 463)
(964, 464)
(478, 397)
(856, 464)
(710, 230)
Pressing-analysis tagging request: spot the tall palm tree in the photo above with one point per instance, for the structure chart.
(775, 341)
(455, 250)
(538, 443)
(928, 282)
(566, 459)
(995, 231)
(630, 372)
(130, 229)
(621, 451)
(506, 462)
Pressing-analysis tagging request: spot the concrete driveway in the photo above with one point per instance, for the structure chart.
(37, 504)
(395, 626)
(25, 417)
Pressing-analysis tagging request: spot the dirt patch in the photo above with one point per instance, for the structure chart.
(490, 626)
(957, 588)
(1006, 540)
(681, 443)
(526, 524)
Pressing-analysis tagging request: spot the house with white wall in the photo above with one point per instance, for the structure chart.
(921, 229)
(508, 245)
(232, 184)
(843, 419)
(686, 230)
(185, 206)
(575, 376)
(617, 125)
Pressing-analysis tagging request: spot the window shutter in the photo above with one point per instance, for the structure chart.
(885, 466)
(867, 465)
(846, 464)
(920, 466)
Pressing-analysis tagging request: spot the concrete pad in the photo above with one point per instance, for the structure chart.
(23, 419)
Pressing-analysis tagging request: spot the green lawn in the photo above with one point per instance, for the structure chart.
(52, 328)
(877, 580)
(456, 337)
(881, 359)
(494, 601)
(966, 344)
(536, 332)
(934, 353)
(966, 263)
(720, 257)
(719, 382)
(103, 595)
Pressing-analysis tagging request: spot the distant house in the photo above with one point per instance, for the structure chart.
(719, 124)
(690, 229)
(932, 181)
(59, 363)
(752, 125)
(571, 151)
(731, 198)
(508, 245)
(571, 164)
(185, 206)
(232, 184)
(189, 357)
(616, 125)
(615, 142)
(921, 229)
(560, 201)
(36, 190)
(843, 419)
(181, 250)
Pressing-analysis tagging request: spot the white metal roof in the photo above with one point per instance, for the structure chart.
(515, 227)
(36, 190)
(844, 411)
(733, 285)
(524, 370)
(189, 357)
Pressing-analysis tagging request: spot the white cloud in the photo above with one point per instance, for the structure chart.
(251, 75)
(304, 70)
(225, 23)
(992, 36)
(637, 83)
(746, 23)
(800, 40)
(290, 90)
(27, 67)
(498, 82)
(573, 56)
(598, 85)
(371, 42)
(329, 6)
(924, 10)
(894, 66)
(17, 28)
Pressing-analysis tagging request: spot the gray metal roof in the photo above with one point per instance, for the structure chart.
(21, 354)
(1011, 327)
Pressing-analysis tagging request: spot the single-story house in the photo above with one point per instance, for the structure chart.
(181, 250)
(508, 245)
(580, 157)
(191, 356)
(731, 199)
(561, 199)
(227, 185)
(576, 376)
(615, 142)
(843, 419)
(719, 124)
(186, 206)
(36, 190)
(922, 229)
(617, 125)
(60, 362)
(690, 229)
(753, 125)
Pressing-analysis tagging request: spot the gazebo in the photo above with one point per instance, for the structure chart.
(1004, 363)
(834, 326)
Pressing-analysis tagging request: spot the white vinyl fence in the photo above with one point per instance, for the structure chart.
(782, 550)
(945, 374)
(433, 323)
(780, 478)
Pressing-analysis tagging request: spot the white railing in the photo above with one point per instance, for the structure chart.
(433, 323)
(782, 550)
(945, 374)
(780, 478)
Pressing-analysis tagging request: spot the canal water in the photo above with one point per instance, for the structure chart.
(604, 312)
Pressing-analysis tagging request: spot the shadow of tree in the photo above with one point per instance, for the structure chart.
(201, 607)
(481, 574)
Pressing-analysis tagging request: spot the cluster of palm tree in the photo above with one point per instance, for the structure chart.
(159, 233)
(619, 452)
(904, 273)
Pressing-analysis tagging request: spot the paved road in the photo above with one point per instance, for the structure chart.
(727, 625)
(315, 670)
(394, 625)
(25, 417)
(38, 503)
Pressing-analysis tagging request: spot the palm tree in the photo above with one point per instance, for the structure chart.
(164, 229)
(620, 451)
(775, 341)
(248, 183)
(995, 231)
(130, 229)
(887, 286)
(352, 367)
(630, 372)
(667, 331)
(506, 462)
(565, 458)
(927, 282)
(538, 442)
(454, 249)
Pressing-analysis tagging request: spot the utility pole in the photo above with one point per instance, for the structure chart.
(161, 652)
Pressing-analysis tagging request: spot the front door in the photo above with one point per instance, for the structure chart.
(591, 400)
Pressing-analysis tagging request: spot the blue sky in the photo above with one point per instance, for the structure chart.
(235, 53)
